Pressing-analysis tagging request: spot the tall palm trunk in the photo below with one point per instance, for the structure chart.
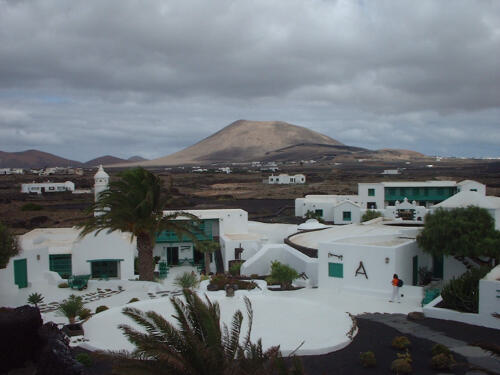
(145, 252)
(207, 263)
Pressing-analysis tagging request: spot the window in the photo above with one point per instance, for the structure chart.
(426, 192)
(473, 189)
(415, 191)
(371, 205)
(336, 270)
(371, 192)
(346, 215)
(104, 269)
(60, 263)
(319, 212)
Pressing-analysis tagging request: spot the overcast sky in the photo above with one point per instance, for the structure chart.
(83, 79)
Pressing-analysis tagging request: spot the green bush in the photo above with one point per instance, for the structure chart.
(84, 359)
(31, 207)
(462, 294)
(102, 308)
(219, 282)
(35, 299)
(84, 314)
(439, 349)
(71, 307)
(368, 359)
(400, 342)
(370, 215)
(442, 361)
(283, 274)
(235, 269)
(401, 366)
(187, 280)
(135, 299)
(63, 285)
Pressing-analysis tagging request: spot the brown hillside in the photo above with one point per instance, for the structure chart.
(243, 141)
(34, 159)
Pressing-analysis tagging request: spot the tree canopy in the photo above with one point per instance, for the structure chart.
(135, 204)
(460, 232)
(8, 245)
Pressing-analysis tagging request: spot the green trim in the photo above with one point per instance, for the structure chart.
(371, 192)
(204, 232)
(346, 215)
(21, 273)
(431, 194)
(336, 270)
(104, 260)
(61, 263)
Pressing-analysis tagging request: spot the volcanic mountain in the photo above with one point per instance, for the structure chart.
(244, 141)
(34, 159)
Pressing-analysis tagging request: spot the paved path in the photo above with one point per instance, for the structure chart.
(474, 355)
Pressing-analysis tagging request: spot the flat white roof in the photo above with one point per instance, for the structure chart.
(210, 214)
(243, 236)
(342, 232)
(57, 240)
(470, 198)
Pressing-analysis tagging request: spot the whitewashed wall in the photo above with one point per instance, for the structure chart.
(260, 263)
(364, 198)
(338, 213)
(115, 245)
(228, 245)
(36, 269)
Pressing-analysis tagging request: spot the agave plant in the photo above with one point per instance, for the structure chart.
(35, 299)
(188, 280)
(198, 345)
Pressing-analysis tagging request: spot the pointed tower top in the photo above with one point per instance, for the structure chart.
(101, 173)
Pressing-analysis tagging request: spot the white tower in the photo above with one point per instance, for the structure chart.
(101, 183)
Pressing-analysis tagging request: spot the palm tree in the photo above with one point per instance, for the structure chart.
(207, 247)
(9, 246)
(199, 345)
(135, 204)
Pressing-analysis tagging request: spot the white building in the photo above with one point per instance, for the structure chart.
(286, 179)
(11, 171)
(330, 208)
(47, 187)
(101, 183)
(391, 171)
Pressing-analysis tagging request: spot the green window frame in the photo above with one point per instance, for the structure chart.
(61, 263)
(473, 190)
(319, 212)
(336, 270)
(346, 215)
(104, 268)
(371, 192)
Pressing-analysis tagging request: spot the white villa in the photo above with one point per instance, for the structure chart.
(406, 201)
(47, 187)
(286, 179)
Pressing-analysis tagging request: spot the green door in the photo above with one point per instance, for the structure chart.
(415, 270)
(437, 268)
(336, 270)
(21, 273)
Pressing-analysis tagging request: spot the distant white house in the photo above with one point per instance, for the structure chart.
(11, 171)
(286, 179)
(391, 171)
(47, 187)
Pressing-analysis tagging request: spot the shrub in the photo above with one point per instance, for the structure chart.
(84, 359)
(235, 269)
(368, 359)
(204, 277)
(84, 314)
(219, 282)
(188, 280)
(35, 299)
(103, 308)
(71, 307)
(400, 342)
(135, 299)
(31, 207)
(442, 361)
(401, 366)
(370, 215)
(283, 274)
(63, 285)
(314, 215)
(424, 275)
(439, 349)
(462, 294)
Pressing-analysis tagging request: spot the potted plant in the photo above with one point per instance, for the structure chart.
(71, 308)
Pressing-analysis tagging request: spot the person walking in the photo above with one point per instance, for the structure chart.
(396, 283)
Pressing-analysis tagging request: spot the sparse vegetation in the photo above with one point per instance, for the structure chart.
(219, 282)
(132, 300)
(84, 314)
(462, 293)
(235, 269)
(35, 299)
(102, 308)
(439, 349)
(370, 215)
(188, 280)
(400, 342)
(63, 285)
(31, 207)
(368, 359)
(442, 361)
(84, 359)
(283, 274)
(8, 246)
(71, 307)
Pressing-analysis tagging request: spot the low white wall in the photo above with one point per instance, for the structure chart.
(37, 262)
(484, 320)
(260, 263)
(489, 297)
